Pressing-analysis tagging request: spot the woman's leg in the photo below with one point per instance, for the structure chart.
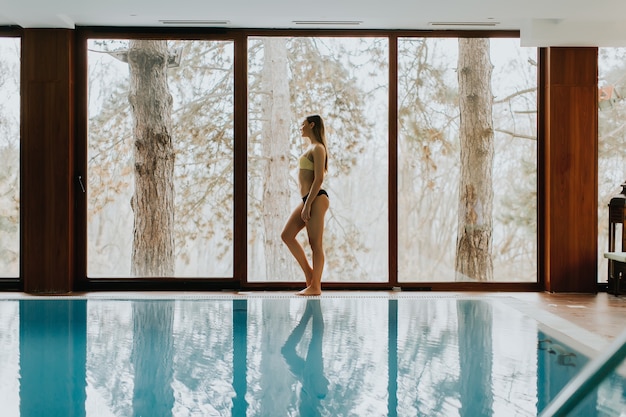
(315, 230)
(290, 231)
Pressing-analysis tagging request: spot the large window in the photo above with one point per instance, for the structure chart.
(462, 150)
(160, 158)
(9, 157)
(345, 80)
(464, 193)
(611, 143)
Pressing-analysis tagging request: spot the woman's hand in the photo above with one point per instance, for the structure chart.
(306, 212)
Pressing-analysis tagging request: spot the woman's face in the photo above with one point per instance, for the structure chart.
(306, 129)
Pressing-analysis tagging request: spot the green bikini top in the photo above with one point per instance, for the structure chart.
(306, 163)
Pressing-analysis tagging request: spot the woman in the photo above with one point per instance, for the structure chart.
(310, 213)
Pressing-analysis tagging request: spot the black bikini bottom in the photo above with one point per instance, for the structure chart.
(320, 192)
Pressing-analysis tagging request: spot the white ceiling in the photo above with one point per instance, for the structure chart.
(541, 22)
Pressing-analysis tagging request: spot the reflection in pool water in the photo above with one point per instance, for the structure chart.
(308, 370)
(284, 356)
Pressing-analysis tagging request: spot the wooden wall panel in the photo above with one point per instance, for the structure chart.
(46, 161)
(570, 150)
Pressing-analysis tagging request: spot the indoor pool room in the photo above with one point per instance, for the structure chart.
(277, 354)
(344, 209)
(352, 208)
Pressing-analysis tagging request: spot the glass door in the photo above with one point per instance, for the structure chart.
(10, 50)
(345, 80)
(160, 158)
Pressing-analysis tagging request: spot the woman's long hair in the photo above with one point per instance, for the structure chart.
(320, 134)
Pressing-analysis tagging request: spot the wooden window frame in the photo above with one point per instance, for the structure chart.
(74, 277)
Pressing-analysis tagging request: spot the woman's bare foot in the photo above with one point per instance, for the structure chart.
(309, 277)
(310, 291)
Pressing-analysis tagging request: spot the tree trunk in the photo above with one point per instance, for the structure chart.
(473, 249)
(276, 144)
(153, 199)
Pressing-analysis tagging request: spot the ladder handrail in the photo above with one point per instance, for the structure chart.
(588, 379)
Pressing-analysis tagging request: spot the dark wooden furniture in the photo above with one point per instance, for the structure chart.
(616, 254)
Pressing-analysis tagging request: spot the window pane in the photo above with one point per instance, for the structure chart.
(429, 167)
(345, 80)
(611, 143)
(10, 157)
(160, 195)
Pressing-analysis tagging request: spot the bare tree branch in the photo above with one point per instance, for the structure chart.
(517, 93)
(516, 135)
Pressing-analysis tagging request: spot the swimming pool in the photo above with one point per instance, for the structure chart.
(259, 355)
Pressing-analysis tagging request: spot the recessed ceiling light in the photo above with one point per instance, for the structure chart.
(463, 23)
(194, 22)
(327, 22)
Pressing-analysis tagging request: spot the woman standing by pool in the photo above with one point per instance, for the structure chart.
(310, 213)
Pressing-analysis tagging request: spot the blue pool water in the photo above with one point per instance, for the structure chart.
(284, 356)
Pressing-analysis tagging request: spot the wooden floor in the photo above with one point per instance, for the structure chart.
(602, 314)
